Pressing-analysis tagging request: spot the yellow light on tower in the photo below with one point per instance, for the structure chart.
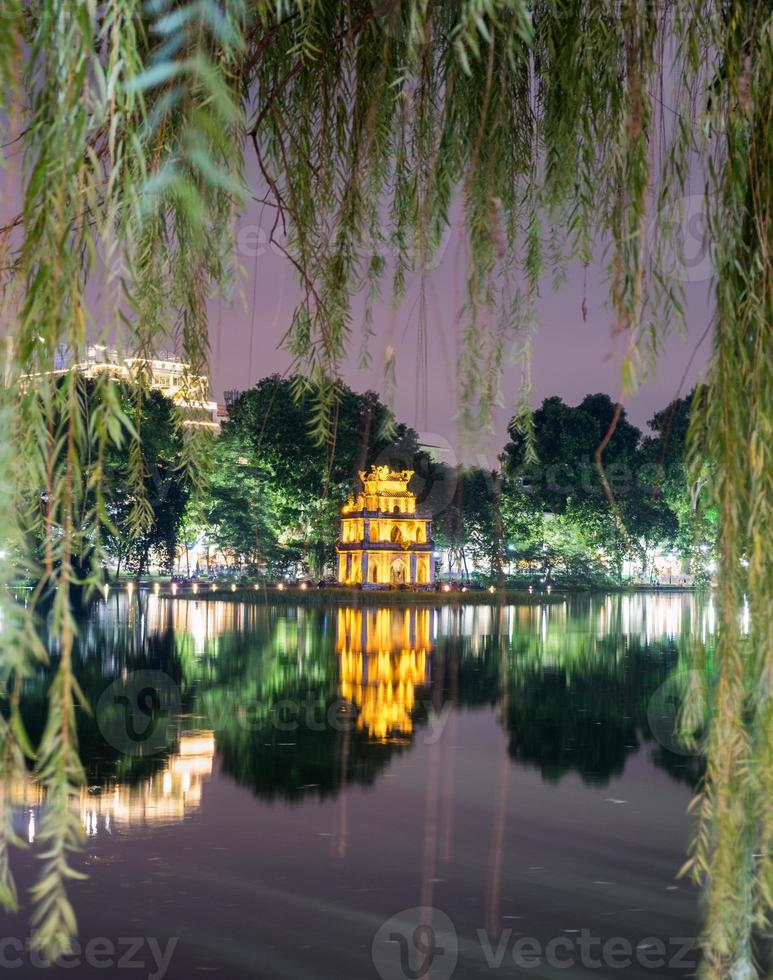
(233, 587)
(214, 587)
(491, 589)
(396, 552)
(281, 586)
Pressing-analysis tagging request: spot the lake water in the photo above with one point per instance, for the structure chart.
(329, 792)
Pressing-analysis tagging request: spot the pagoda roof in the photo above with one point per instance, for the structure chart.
(366, 512)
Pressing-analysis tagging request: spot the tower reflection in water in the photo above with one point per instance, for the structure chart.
(572, 682)
(384, 663)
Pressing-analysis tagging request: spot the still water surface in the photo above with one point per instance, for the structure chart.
(270, 785)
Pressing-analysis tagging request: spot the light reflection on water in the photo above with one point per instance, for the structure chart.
(236, 662)
(495, 761)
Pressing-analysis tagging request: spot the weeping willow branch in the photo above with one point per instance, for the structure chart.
(732, 851)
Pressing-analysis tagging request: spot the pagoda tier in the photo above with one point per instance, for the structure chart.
(384, 541)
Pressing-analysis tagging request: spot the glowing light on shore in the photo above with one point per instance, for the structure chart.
(195, 588)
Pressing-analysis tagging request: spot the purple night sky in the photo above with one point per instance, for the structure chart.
(571, 357)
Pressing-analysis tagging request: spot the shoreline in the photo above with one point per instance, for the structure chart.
(294, 595)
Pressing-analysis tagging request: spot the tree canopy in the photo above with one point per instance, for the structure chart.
(557, 469)
(275, 493)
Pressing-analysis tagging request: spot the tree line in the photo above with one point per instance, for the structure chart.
(274, 493)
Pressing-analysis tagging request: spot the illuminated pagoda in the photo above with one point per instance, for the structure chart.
(384, 540)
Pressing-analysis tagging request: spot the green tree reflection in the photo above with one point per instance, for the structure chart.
(307, 701)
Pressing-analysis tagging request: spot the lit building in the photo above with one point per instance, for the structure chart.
(165, 373)
(384, 540)
(383, 660)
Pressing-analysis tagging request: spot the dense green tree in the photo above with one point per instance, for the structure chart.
(565, 481)
(684, 492)
(276, 493)
(137, 543)
(470, 526)
(565, 476)
(143, 488)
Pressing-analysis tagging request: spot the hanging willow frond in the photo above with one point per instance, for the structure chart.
(736, 416)
(132, 162)
(14, 654)
(191, 188)
(10, 25)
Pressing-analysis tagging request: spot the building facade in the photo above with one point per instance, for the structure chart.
(385, 542)
(166, 373)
